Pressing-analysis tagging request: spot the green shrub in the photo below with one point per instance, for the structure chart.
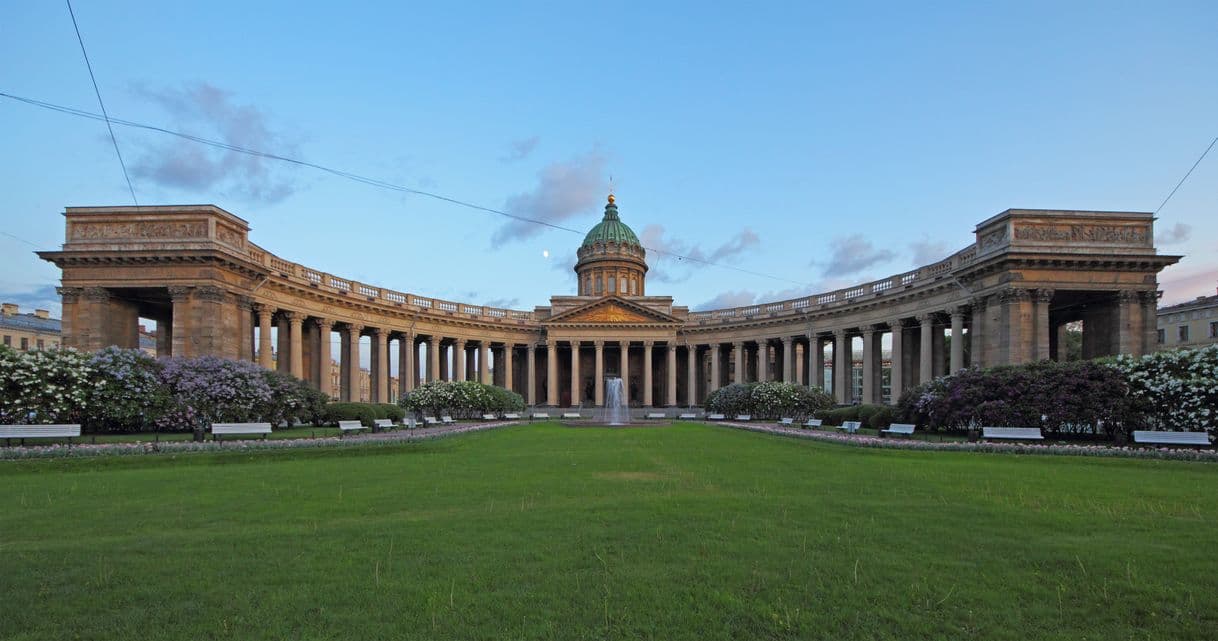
(391, 412)
(875, 416)
(837, 415)
(365, 413)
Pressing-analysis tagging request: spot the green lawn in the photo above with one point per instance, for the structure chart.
(540, 531)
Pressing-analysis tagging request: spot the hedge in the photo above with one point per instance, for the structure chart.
(768, 400)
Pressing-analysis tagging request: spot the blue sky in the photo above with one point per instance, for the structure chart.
(822, 145)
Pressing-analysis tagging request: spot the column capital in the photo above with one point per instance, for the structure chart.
(840, 334)
(1149, 298)
(460, 342)
(245, 302)
(1046, 295)
(869, 329)
(598, 344)
(896, 324)
(1124, 296)
(649, 344)
(434, 340)
(210, 293)
(177, 293)
(979, 302)
(379, 332)
(70, 294)
(955, 311)
(323, 324)
(1014, 295)
(925, 318)
(354, 329)
(101, 294)
(264, 309)
(786, 340)
(294, 317)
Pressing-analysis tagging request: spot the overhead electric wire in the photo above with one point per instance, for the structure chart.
(361, 179)
(1190, 172)
(101, 104)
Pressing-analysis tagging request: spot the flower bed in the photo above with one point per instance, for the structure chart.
(84, 450)
(1174, 454)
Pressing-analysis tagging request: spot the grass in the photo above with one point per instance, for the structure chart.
(545, 532)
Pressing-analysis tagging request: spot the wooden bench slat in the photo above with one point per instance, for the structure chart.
(1014, 433)
(1171, 438)
(63, 430)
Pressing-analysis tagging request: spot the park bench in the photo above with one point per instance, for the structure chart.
(68, 431)
(1012, 433)
(447, 420)
(812, 422)
(850, 427)
(1149, 437)
(430, 420)
(349, 426)
(488, 417)
(786, 422)
(571, 415)
(227, 429)
(744, 417)
(688, 416)
(511, 417)
(715, 417)
(541, 416)
(655, 415)
(905, 429)
(409, 424)
(384, 424)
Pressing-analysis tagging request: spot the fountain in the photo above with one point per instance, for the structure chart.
(615, 412)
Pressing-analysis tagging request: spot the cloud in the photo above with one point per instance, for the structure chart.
(563, 190)
(520, 149)
(927, 251)
(1176, 234)
(185, 165)
(1181, 287)
(663, 253)
(506, 303)
(853, 254)
(738, 298)
(37, 297)
(565, 263)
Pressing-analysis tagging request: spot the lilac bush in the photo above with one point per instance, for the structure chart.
(128, 394)
(208, 389)
(44, 386)
(1181, 387)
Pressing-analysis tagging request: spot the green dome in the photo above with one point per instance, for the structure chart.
(611, 229)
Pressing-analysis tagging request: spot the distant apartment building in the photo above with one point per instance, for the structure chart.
(27, 331)
(1191, 324)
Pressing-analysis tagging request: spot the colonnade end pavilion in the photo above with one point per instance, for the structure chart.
(1004, 299)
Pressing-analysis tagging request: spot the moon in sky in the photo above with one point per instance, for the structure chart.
(545, 253)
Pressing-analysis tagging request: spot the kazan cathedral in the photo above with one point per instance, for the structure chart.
(1003, 299)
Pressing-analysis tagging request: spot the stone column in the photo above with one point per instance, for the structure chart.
(283, 359)
(977, 334)
(265, 355)
(716, 367)
(406, 373)
(788, 359)
(322, 362)
(484, 362)
(897, 374)
(763, 360)
(816, 372)
(351, 368)
(598, 374)
(433, 358)
(1150, 321)
(647, 400)
(379, 385)
(870, 391)
(180, 297)
(957, 363)
(509, 376)
(459, 361)
(576, 390)
(625, 371)
(738, 361)
(552, 373)
(1044, 298)
(296, 344)
(531, 370)
(926, 348)
(843, 362)
(691, 385)
(670, 398)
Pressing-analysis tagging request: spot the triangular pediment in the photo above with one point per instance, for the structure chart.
(612, 310)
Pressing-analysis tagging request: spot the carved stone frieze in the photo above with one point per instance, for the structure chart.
(138, 229)
(1107, 234)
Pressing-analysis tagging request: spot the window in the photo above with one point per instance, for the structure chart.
(612, 284)
(1213, 329)
(623, 286)
(40, 344)
(600, 284)
(634, 287)
(1162, 338)
(1182, 333)
(8, 341)
(25, 343)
